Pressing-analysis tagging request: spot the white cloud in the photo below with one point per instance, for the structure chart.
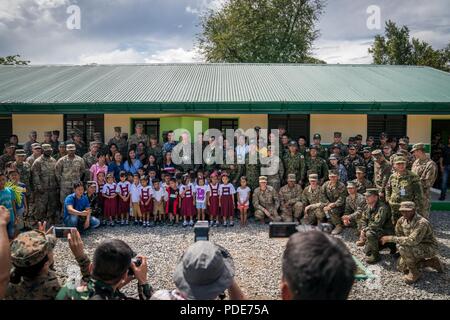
(203, 5)
(344, 52)
(173, 55)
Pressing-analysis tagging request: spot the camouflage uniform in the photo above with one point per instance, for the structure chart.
(354, 207)
(317, 165)
(403, 153)
(427, 171)
(274, 180)
(157, 152)
(44, 191)
(370, 168)
(342, 146)
(291, 202)
(252, 172)
(303, 150)
(403, 187)
(89, 161)
(24, 170)
(135, 139)
(267, 199)
(382, 172)
(4, 159)
(58, 156)
(28, 249)
(295, 164)
(68, 172)
(334, 194)
(31, 159)
(350, 163)
(314, 198)
(321, 151)
(362, 185)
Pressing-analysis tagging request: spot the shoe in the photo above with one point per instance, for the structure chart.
(442, 198)
(360, 242)
(191, 223)
(122, 223)
(337, 230)
(185, 224)
(171, 223)
(225, 224)
(231, 223)
(371, 259)
(435, 264)
(144, 224)
(211, 224)
(151, 224)
(105, 223)
(412, 276)
(135, 223)
(127, 223)
(111, 224)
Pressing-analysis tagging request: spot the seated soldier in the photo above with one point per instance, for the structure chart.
(311, 198)
(334, 193)
(266, 202)
(362, 184)
(375, 223)
(291, 200)
(355, 205)
(416, 243)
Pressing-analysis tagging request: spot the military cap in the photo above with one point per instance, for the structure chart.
(399, 159)
(360, 169)
(293, 143)
(401, 152)
(20, 152)
(313, 176)
(332, 157)
(62, 144)
(332, 173)
(418, 146)
(366, 149)
(291, 177)
(36, 146)
(262, 179)
(402, 141)
(117, 129)
(30, 248)
(377, 152)
(371, 192)
(71, 147)
(352, 146)
(94, 143)
(139, 125)
(351, 184)
(10, 145)
(47, 133)
(56, 132)
(370, 138)
(336, 146)
(46, 147)
(407, 206)
(317, 136)
(314, 147)
(337, 134)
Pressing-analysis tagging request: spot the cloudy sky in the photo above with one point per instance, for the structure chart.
(159, 31)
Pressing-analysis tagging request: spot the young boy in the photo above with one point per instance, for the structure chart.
(172, 201)
(159, 197)
(146, 201)
(135, 191)
(123, 189)
(201, 192)
(91, 193)
(7, 200)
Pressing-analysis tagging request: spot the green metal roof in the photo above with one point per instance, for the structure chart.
(268, 88)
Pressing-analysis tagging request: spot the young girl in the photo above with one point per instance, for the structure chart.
(168, 166)
(123, 207)
(99, 166)
(201, 191)
(135, 191)
(213, 200)
(172, 201)
(187, 200)
(151, 164)
(243, 196)
(101, 200)
(109, 192)
(146, 201)
(159, 196)
(226, 199)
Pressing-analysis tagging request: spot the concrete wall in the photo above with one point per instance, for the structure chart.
(419, 127)
(22, 124)
(349, 124)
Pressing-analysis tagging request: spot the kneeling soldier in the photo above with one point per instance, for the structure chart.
(416, 243)
(291, 200)
(355, 205)
(265, 201)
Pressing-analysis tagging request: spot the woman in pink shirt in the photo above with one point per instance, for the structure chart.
(100, 166)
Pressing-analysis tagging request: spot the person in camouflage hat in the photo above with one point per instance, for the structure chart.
(355, 205)
(119, 141)
(8, 156)
(32, 278)
(375, 223)
(337, 141)
(77, 140)
(403, 185)
(266, 202)
(416, 243)
(361, 182)
(312, 198)
(321, 150)
(294, 163)
(382, 171)
(368, 163)
(275, 169)
(61, 151)
(28, 146)
(427, 171)
(44, 188)
(252, 170)
(37, 152)
(334, 193)
(315, 164)
(351, 161)
(138, 136)
(291, 205)
(90, 158)
(155, 149)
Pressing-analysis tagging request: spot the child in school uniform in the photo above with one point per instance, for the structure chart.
(201, 192)
(243, 200)
(172, 201)
(123, 206)
(109, 192)
(226, 199)
(146, 202)
(159, 196)
(166, 181)
(135, 191)
(213, 200)
(187, 200)
(101, 181)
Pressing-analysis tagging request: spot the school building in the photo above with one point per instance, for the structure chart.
(307, 99)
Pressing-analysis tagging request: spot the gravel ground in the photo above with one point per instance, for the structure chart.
(258, 259)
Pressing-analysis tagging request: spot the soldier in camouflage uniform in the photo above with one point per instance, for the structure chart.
(352, 161)
(416, 243)
(273, 164)
(337, 140)
(69, 170)
(45, 188)
(54, 141)
(252, 170)
(361, 182)
(90, 158)
(291, 205)
(381, 172)
(138, 136)
(403, 185)
(76, 139)
(312, 198)
(119, 141)
(102, 147)
(37, 151)
(334, 193)
(427, 171)
(266, 202)
(294, 163)
(405, 154)
(368, 163)
(355, 205)
(315, 164)
(155, 149)
(8, 156)
(24, 170)
(28, 146)
(321, 150)
(28, 250)
(303, 148)
(61, 151)
(375, 223)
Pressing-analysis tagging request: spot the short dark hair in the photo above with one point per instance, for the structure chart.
(112, 258)
(317, 266)
(77, 185)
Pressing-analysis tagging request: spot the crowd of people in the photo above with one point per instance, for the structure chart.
(380, 188)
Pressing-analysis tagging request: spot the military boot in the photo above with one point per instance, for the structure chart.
(361, 241)
(434, 263)
(412, 276)
(337, 230)
(373, 258)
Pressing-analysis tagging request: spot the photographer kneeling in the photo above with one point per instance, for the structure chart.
(77, 211)
(112, 268)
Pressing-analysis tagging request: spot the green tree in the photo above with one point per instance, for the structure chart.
(396, 47)
(264, 31)
(13, 60)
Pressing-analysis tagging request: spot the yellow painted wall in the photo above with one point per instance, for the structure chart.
(349, 124)
(419, 127)
(22, 124)
(246, 121)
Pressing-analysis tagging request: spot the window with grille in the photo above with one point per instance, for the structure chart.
(151, 126)
(393, 125)
(296, 125)
(224, 124)
(87, 124)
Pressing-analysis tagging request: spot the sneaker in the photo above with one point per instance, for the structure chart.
(141, 222)
(127, 223)
(122, 223)
(217, 224)
(185, 224)
(171, 223)
(191, 223)
(111, 224)
(231, 223)
(144, 224)
(151, 224)
(225, 224)
(105, 223)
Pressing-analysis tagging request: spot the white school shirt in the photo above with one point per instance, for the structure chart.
(200, 193)
(244, 194)
(145, 189)
(121, 185)
(107, 187)
(183, 188)
(135, 191)
(159, 194)
(224, 193)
